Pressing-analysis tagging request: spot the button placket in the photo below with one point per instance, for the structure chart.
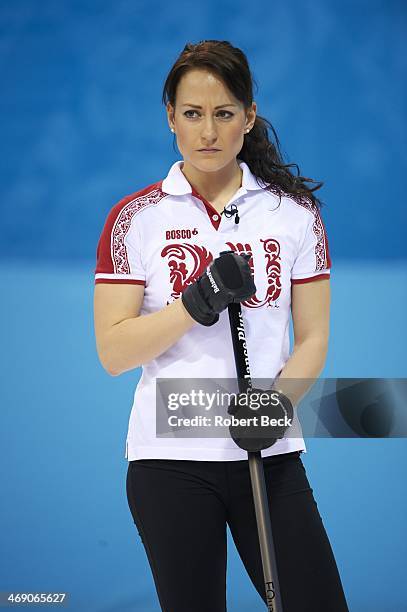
(216, 218)
(210, 211)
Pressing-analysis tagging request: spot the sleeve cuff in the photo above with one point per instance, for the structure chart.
(309, 279)
(118, 278)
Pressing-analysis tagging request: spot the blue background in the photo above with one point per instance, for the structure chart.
(83, 125)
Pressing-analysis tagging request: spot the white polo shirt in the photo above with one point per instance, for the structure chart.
(163, 237)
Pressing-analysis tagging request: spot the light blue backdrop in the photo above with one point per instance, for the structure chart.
(83, 126)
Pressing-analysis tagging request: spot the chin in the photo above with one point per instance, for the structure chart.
(211, 163)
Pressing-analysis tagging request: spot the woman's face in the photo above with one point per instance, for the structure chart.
(207, 115)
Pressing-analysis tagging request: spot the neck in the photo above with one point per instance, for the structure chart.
(213, 185)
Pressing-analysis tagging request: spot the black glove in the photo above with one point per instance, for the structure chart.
(254, 436)
(227, 279)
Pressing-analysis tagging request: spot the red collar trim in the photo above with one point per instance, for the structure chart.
(209, 209)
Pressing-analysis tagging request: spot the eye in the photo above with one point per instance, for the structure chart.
(189, 111)
(228, 113)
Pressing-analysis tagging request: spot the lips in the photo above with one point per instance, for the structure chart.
(208, 150)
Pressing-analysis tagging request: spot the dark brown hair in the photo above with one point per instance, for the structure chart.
(262, 155)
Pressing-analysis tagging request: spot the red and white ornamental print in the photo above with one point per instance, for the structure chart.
(122, 226)
(187, 262)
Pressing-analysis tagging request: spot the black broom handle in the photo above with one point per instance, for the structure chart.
(268, 556)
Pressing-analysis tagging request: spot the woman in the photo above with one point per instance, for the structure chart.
(230, 192)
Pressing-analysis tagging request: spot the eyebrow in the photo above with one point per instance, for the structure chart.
(197, 106)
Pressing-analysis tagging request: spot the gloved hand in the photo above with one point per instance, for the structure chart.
(227, 279)
(253, 436)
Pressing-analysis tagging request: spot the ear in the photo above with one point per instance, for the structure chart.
(170, 115)
(251, 116)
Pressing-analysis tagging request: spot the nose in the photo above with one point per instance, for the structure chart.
(208, 132)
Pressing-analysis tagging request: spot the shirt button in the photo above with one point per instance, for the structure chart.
(215, 217)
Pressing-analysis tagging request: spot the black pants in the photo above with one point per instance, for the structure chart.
(181, 508)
